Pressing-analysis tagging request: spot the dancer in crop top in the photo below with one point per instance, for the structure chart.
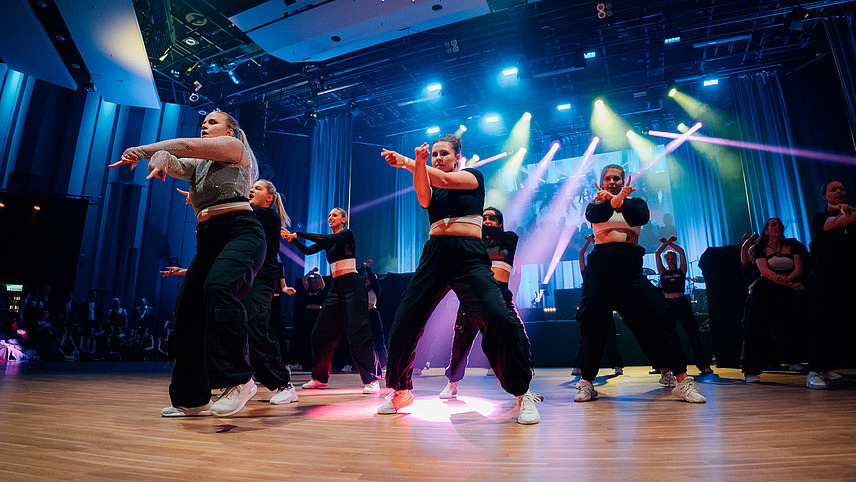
(210, 320)
(501, 246)
(454, 257)
(614, 282)
(779, 303)
(673, 279)
(345, 307)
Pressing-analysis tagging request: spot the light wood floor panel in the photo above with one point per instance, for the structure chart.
(97, 421)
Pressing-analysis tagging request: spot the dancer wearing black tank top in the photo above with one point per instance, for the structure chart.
(454, 257)
(345, 307)
(673, 279)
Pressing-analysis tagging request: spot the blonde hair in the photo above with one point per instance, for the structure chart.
(277, 202)
(237, 132)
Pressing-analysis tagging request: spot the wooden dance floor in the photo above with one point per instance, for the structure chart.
(88, 421)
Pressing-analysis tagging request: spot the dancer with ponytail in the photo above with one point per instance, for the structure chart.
(454, 257)
(345, 307)
(265, 355)
(211, 322)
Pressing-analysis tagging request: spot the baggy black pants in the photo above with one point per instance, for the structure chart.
(465, 333)
(265, 354)
(210, 320)
(345, 309)
(774, 311)
(614, 282)
(681, 311)
(461, 264)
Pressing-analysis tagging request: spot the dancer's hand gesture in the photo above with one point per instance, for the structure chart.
(422, 153)
(393, 158)
(602, 194)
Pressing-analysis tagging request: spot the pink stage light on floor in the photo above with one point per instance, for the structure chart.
(433, 409)
(793, 151)
(490, 159)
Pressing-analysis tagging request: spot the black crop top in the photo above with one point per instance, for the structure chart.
(634, 209)
(338, 246)
(673, 281)
(501, 245)
(453, 203)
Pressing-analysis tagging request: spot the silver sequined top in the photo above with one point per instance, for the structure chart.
(213, 181)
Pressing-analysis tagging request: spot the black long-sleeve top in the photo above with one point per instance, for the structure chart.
(337, 246)
(634, 209)
(501, 245)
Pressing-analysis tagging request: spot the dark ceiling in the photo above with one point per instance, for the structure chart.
(383, 86)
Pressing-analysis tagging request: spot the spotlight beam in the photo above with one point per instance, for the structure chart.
(527, 192)
(670, 147)
(368, 204)
(794, 151)
(490, 159)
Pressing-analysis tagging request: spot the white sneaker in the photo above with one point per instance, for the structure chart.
(233, 399)
(395, 401)
(831, 375)
(815, 381)
(373, 387)
(753, 379)
(451, 391)
(312, 384)
(688, 390)
(490, 372)
(347, 369)
(619, 371)
(668, 380)
(201, 411)
(528, 412)
(585, 391)
(576, 371)
(286, 394)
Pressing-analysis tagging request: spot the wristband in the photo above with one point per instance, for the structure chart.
(406, 163)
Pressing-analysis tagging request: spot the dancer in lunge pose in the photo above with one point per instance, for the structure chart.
(211, 322)
(673, 279)
(501, 246)
(345, 307)
(454, 257)
(614, 281)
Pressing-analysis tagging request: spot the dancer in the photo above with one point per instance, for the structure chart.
(265, 355)
(778, 302)
(345, 307)
(454, 257)
(211, 322)
(613, 355)
(373, 291)
(834, 250)
(501, 246)
(673, 282)
(614, 281)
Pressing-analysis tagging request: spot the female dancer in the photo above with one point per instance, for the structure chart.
(211, 322)
(344, 309)
(673, 282)
(373, 291)
(613, 355)
(265, 355)
(501, 246)
(454, 257)
(778, 301)
(834, 249)
(614, 281)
